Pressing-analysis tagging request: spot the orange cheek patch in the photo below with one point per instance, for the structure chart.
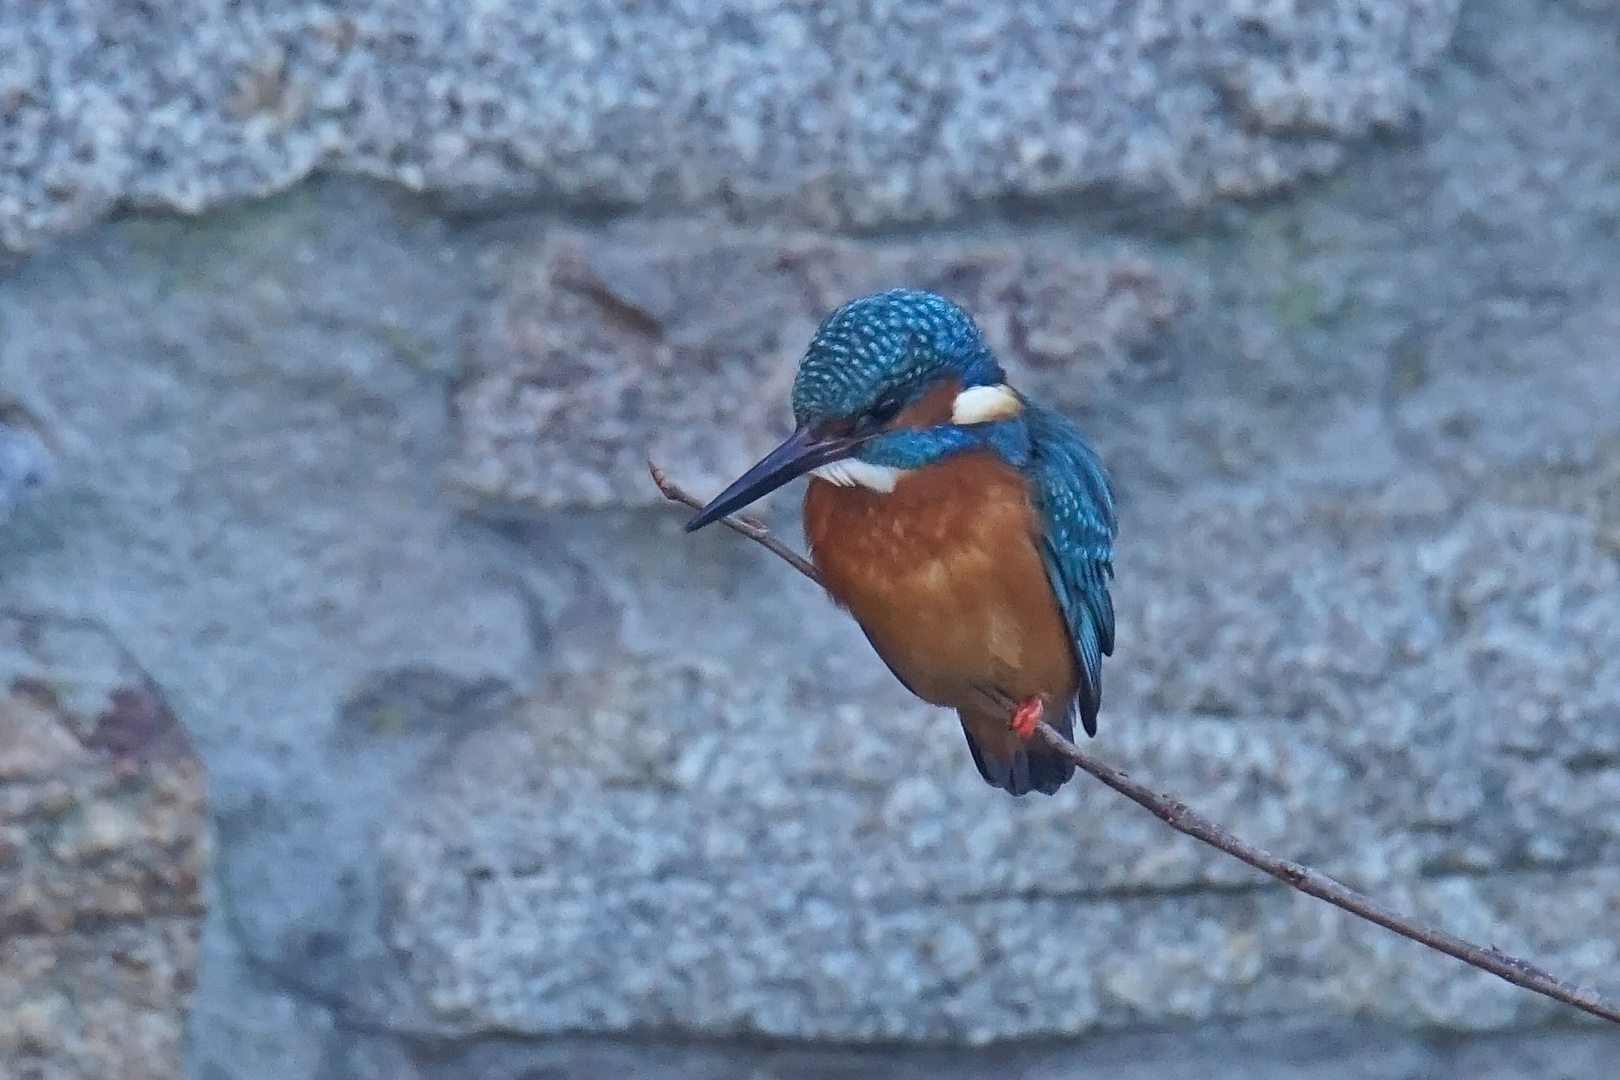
(932, 409)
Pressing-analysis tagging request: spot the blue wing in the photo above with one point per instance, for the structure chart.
(1076, 505)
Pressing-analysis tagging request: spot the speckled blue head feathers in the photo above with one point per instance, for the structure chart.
(867, 362)
(877, 354)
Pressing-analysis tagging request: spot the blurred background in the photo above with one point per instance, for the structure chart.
(368, 716)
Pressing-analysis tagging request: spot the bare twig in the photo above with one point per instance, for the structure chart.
(753, 529)
(1183, 819)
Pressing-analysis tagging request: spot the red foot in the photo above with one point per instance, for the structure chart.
(1028, 717)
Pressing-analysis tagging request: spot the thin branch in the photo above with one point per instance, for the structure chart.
(1183, 819)
(752, 528)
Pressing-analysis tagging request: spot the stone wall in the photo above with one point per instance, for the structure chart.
(847, 112)
(510, 776)
(103, 852)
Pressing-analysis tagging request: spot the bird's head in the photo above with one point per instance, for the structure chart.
(890, 382)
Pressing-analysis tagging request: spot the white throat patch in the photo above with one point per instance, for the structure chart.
(985, 404)
(975, 405)
(853, 473)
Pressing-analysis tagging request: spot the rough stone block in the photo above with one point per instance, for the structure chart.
(844, 112)
(680, 343)
(103, 848)
(770, 837)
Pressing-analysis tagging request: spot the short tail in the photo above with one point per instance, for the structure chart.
(1007, 762)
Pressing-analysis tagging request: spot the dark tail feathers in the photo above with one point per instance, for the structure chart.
(1020, 768)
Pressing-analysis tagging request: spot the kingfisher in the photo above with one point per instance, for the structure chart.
(967, 528)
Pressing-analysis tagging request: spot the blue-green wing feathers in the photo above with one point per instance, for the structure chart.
(1076, 506)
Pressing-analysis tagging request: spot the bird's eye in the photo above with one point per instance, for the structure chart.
(885, 410)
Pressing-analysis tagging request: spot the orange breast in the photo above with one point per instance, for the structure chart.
(945, 576)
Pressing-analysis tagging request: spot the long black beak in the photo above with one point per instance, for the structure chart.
(802, 451)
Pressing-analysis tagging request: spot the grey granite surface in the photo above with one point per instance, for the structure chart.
(104, 858)
(843, 112)
(678, 343)
(496, 753)
(251, 415)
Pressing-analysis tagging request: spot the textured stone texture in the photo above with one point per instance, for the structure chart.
(103, 849)
(725, 841)
(1261, 1051)
(251, 416)
(1387, 416)
(679, 344)
(851, 112)
(1368, 583)
(27, 461)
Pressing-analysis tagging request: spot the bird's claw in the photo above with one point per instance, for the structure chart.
(1027, 717)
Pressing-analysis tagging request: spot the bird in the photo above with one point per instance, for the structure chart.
(968, 528)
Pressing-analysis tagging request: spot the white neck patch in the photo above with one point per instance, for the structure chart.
(985, 404)
(975, 405)
(853, 473)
